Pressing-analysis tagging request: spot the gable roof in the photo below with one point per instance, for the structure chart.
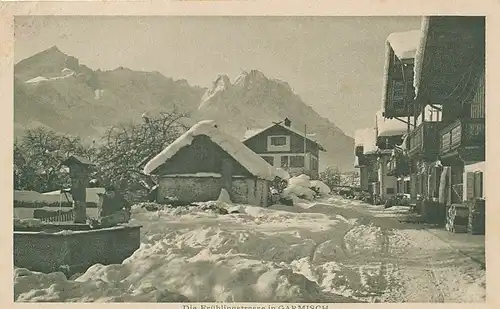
(254, 132)
(241, 153)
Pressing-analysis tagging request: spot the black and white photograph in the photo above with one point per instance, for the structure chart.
(249, 159)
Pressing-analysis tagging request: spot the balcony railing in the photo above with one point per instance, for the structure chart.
(423, 141)
(462, 133)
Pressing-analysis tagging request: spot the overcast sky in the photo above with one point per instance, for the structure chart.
(335, 64)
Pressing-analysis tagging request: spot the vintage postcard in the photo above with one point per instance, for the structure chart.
(209, 159)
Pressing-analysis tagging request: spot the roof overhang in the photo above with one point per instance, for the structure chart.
(400, 49)
(450, 58)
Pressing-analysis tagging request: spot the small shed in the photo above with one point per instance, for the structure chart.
(204, 160)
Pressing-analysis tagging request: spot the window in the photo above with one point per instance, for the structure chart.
(278, 140)
(278, 143)
(297, 161)
(390, 190)
(314, 164)
(284, 161)
(269, 159)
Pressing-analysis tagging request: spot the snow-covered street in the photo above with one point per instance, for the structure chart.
(332, 250)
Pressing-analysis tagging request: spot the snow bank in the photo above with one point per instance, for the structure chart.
(299, 187)
(323, 188)
(29, 222)
(246, 157)
(258, 255)
(200, 257)
(54, 287)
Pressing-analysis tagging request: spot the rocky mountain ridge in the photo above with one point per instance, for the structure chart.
(54, 90)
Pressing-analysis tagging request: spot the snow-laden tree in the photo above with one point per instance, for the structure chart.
(331, 176)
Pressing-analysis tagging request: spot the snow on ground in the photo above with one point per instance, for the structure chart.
(324, 251)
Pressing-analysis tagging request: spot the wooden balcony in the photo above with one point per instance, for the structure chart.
(463, 134)
(398, 166)
(423, 141)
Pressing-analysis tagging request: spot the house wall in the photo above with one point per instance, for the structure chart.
(258, 143)
(250, 191)
(468, 170)
(363, 178)
(277, 160)
(191, 189)
(385, 182)
(202, 156)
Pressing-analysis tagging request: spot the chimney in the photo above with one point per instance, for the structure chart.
(288, 122)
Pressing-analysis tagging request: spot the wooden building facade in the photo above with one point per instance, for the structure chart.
(285, 147)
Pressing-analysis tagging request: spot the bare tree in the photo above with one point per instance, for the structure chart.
(127, 147)
(37, 158)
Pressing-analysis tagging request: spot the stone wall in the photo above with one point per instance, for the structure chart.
(47, 252)
(189, 189)
(201, 189)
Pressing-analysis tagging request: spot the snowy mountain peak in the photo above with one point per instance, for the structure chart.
(221, 84)
(246, 78)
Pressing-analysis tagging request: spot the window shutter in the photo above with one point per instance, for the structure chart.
(478, 184)
(470, 186)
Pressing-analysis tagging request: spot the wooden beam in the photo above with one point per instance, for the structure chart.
(404, 121)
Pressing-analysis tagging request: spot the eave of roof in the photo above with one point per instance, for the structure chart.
(258, 132)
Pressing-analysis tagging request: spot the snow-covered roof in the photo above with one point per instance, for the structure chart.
(253, 132)
(246, 157)
(390, 127)
(404, 44)
(419, 54)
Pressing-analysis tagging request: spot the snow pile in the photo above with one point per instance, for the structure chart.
(363, 240)
(246, 157)
(200, 257)
(28, 222)
(299, 188)
(323, 189)
(54, 287)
